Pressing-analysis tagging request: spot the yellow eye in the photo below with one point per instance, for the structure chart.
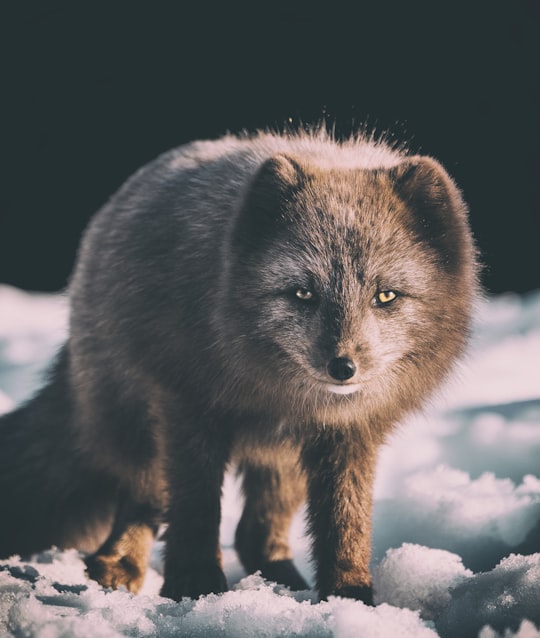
(304, 294)
(385, 296)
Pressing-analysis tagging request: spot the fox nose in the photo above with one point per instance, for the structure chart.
(341, 368)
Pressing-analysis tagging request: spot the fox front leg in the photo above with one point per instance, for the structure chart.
(193, 565)
(340, 470)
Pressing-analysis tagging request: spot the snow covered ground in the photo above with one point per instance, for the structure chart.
(456, 529)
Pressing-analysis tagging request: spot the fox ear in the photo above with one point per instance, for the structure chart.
(273, 183)
(423, 179)
(265, 204)
(438, 212)
(280, 170)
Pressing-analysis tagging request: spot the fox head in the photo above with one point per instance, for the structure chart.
(346, 284)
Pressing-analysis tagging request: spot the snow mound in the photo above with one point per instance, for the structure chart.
(501, 599)
(436, 584)
(49, 597)
(419, 578)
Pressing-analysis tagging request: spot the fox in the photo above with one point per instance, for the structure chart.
(270, 302)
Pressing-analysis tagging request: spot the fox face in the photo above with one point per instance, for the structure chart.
(346, 282)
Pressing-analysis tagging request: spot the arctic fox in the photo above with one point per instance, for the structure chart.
(275, 301)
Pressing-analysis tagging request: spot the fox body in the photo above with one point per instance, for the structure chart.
(279, 302)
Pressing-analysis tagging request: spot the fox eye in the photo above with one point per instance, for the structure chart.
(304, 294)
(385, 297)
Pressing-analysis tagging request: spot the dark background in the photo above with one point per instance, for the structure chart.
(92, 90)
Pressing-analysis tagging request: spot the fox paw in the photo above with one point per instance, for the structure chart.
(193, 581)
(360, 592)
(116, 571)
(285, 573)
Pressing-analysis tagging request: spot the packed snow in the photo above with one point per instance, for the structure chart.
(456, 539)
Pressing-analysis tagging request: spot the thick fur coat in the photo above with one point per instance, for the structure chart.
(279, 302)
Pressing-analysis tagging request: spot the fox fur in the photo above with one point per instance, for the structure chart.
(279, 302)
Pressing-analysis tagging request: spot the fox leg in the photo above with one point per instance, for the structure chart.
(341, 469)
(273, 493)
(198, 454)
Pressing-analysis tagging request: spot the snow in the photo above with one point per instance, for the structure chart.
(456, 541)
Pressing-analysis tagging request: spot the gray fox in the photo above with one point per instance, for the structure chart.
(276, 302)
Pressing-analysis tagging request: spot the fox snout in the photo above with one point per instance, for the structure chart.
(341, 368)
(341, 374)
